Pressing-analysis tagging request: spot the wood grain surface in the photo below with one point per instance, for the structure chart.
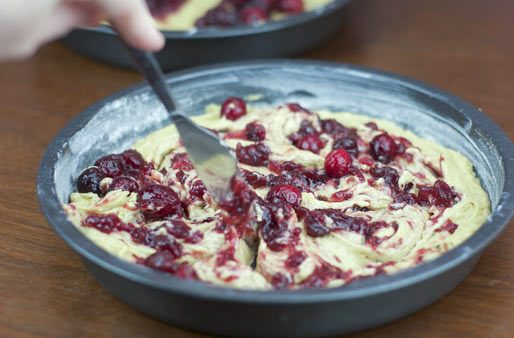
(463, 46)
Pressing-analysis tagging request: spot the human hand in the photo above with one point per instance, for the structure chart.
(25, 25)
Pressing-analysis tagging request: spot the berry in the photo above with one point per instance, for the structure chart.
(335, 128)
(443, 194)
(255, 132)
(111, 165)
(124, 183)
(315, 224)
(132, 160)
(158, 201)
(440, 194)
(306, 128)
(290, 6)
(179, 229)
(382, 148)
(253, 15)
(225, 256)
(296, 108)
(181, 162)
(311, 143)
(448, 226)
(295, 259)
(255, 154)
(337, 163)
(221, 16)
(233, 108)
(163, 261)
(272, 228)
(405, 197)
(280, 281)
(389, 174)
(104, 223)
(166, 243)
(255, 179)
(161, 8)
(89, 180)
(372, 125)
(347, 143)
(197, 190)
(284, 193)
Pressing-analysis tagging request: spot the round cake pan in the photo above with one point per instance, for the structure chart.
(286, 37)
(113, 124)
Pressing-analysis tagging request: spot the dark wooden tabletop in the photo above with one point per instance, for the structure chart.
(463, 46)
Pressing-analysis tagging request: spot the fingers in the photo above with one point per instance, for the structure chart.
(28, 30)
(66, 16)
(134, 23)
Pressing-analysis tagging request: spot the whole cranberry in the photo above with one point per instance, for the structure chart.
(111, 165)
(252, 15)
(337, 163)
(255, 132)
(284, 193)
(382, 148)
(124, 183)
(89, 180)
(233, 108)
(159, 201)
(311, 143)
(132, 160)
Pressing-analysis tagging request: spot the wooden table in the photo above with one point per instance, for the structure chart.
(463, 46)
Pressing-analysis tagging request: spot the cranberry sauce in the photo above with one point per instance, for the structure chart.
(440, 194)
(168, 249)
(316, 224)
(448, 226)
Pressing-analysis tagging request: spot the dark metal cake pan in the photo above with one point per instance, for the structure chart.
(286, 37)
(114, 123)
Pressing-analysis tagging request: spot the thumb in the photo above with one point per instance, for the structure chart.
(133, 21)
